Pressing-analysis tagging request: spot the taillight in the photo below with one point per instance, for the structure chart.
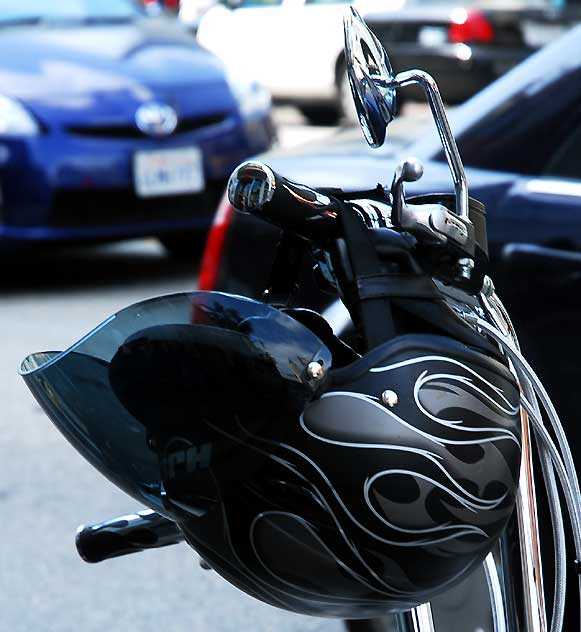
(470, 26)
(215, 246)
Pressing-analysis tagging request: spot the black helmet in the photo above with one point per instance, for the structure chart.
(346, 491)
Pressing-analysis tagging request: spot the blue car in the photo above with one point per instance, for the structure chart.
(114, 124)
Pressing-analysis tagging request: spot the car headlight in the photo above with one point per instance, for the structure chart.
(15, 120)
(252, 97)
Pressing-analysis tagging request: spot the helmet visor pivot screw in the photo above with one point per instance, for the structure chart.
(315, 370)
(389, 398)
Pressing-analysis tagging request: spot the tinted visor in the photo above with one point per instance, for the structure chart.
(156, 368)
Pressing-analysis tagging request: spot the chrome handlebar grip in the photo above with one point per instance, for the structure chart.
(256, 189)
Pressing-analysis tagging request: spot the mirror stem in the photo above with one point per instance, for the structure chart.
(450, 148)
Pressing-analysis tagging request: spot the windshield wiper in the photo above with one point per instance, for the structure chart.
(48, 20)
(29, 20)
(107, 19)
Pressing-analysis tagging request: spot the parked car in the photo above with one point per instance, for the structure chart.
(114, 125)
(467, 45)
(520, 140)
(172, 5)
(191, 12)
(296, 48)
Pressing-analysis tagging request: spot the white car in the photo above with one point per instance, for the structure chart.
(293, 47)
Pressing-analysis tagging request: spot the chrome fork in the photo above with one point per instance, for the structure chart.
(535, 619)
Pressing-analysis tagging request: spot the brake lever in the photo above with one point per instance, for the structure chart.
(408, 170)
(432, 223)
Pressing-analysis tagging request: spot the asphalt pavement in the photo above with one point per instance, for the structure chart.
(47, 301)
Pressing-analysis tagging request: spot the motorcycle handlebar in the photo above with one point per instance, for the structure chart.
(124, 535)
(256, 189)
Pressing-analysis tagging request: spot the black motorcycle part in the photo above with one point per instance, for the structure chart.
(125, 535)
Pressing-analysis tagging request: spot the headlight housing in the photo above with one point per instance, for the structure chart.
(15, 120)
(253, 98)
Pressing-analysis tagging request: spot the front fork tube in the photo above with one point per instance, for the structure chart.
(533, 597)
(534, 614)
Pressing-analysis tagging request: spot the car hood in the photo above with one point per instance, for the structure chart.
(328, 163)
(345, 161)
(106, 71)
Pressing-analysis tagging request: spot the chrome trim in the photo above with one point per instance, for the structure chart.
(419, 619)
(251, 185)
(554, 187)
(338, 317)
(430, 88)
(526, 503)
(370, 76)
(499, 618)
(534, 601)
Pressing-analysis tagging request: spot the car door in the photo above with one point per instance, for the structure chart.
(545, 209)
(252, 36)
(318, 45)
(319, 41)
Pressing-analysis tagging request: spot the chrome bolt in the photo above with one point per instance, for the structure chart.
(389, 398)
(315, 370)
(465, 267)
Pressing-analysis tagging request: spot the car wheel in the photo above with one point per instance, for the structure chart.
(320, 114)
(184, 246)
(346, 104)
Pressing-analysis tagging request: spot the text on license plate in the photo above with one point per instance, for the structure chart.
(168, 171)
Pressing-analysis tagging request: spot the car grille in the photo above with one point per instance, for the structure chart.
(132, 131)
(85, 208)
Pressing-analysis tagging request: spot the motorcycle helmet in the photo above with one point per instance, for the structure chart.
(346, 488)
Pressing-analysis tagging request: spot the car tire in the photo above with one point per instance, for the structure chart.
(320, 114)
(185, 246)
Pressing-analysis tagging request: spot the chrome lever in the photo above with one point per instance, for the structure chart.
(408, 170)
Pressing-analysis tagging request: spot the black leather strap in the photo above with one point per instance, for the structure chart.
(397, 286)
(374, 311)
(286, 268)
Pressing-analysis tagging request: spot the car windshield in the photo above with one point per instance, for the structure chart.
(535, 87)
(39, 11)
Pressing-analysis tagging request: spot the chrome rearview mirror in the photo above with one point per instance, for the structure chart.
(371, 78)
(374, 91)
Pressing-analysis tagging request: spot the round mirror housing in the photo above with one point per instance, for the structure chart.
(371, 78)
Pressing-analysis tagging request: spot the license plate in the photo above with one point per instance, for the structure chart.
(537, 35)
(168, 171)
(431, 36)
